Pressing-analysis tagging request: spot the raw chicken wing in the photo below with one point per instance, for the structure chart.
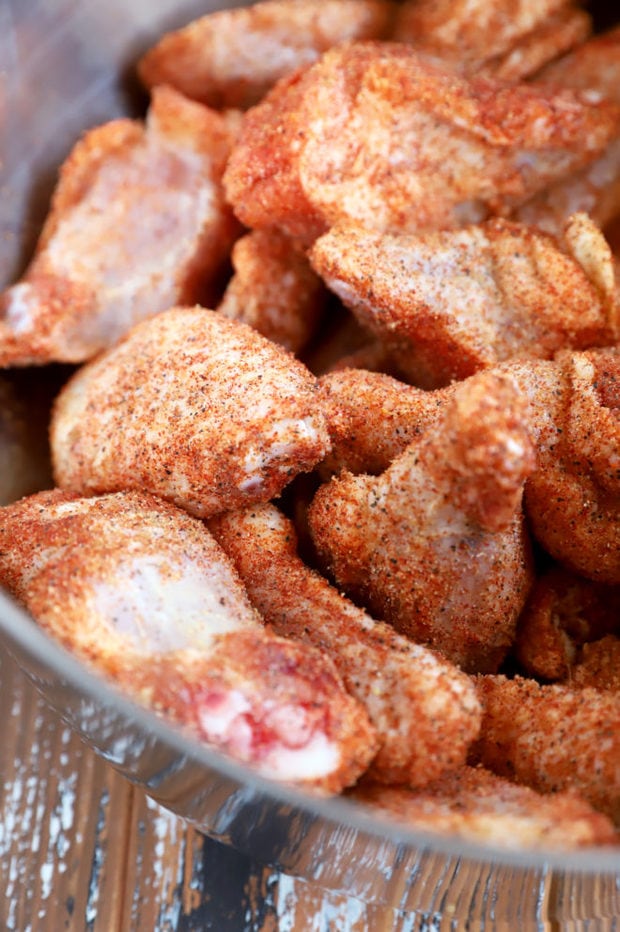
(476, 804)
(372, 417)
(552, 738)
(504, 38)
(436, 545)
(232, 57)
(378, 135)
(192, 407)
(598, 665)
(563, 612)
(573, 498)
(421, 706)
(142, 592)
(594, 69)
(274, 289)
(138, 224)
(447, 304)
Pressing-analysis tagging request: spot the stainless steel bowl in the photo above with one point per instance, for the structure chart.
(65, 65)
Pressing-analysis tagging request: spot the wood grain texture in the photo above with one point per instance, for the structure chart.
(82, 849)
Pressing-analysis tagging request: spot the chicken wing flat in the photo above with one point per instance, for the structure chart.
(274, 289)
(503, 37)
(553, 738)
(372, 133)
(421, 706)
(563, 612)
(232, 57)
(141, 591)
(476, 804)
(193, 407)
(138, 224)
(372, 418)
(573, 497)
(435, 545)
(446, 304)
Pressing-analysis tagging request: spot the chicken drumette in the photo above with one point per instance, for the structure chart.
(436, 544)
(421, 706)
(141, 591)
(193, 407)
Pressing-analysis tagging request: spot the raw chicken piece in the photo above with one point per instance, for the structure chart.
(421, 706)
(552, 738)
(446, 304)
(138, 224)
(504, 38)
(563, 612)
(274, 289)
(436, 544)
(598, 665)
(193, 407)
(556, 35)
(372, 417)
(476, 804)
(593, 65)
(232, 57)
(594, 190)
(573, 498)
(594, 69)
(373, 132)
(142, 592)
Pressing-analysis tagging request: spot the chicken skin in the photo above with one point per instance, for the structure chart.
(573, 497)
(193, 407)
(138, 224)
(592, 68)
(552, 738)
(563, 612)
(274, 289)
(435, 545)
(232, 57)
(476, 804)
(421, 706)
(446, 304)
(372, 134)
(504, 38)
(372, 418)
(598, 665)
(593, 65)
(141, 591)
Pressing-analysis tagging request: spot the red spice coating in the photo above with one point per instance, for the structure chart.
(192, 407)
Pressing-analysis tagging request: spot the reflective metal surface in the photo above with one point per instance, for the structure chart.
(64, 66)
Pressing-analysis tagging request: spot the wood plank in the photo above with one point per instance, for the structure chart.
(64, 824)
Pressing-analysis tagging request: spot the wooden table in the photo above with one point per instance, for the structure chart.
(83, 849)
